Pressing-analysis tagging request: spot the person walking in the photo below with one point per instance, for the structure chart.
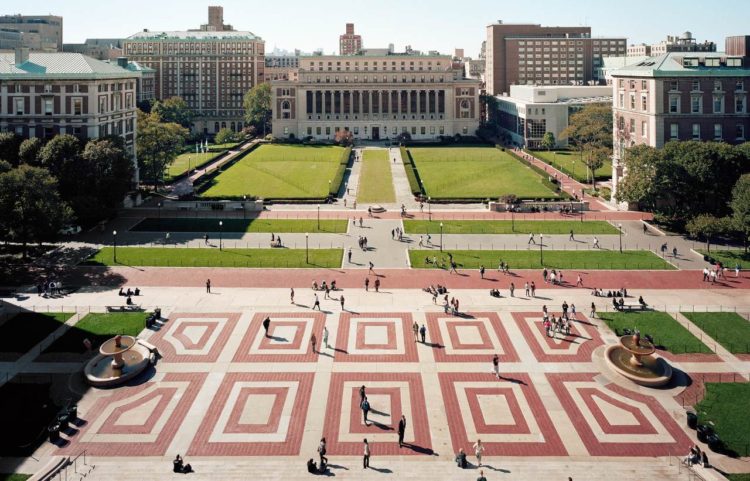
(478, 450)
(325, 337)
(579, 281)
(415, 329)
(365, 406)
(367, 283)
(481, 271)
(313, 342)
(596, 243)
(266, 324)
(362, 393)
(208, 286)
(423, 333)
(377, 285)
(572, 237)
(205, 239)
(341, 299)
(322, 452)
(372, 266)
(401, 430)
(592, 314)
(349, 254)
(496, 366)
(291, 295)
(366, 455)
(316, 303)
(531, 239)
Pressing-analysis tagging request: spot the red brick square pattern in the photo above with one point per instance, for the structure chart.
(275, 352)
(583, 334)
(401, 321)
(168, 350)
(474, 319)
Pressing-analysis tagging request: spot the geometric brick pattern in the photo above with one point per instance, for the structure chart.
(613, 421)
(288, 338)
(576, 347)
(473, 337)
(255, 414)
(194, 337)
(375, 337)
(509, 417)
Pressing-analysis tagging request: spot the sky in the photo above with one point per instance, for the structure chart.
(424, 24)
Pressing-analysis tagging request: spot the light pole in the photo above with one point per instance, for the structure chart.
(329, 188)
(221, 231)
(318, 217)
(114, 245)
(541, 249)
(244, 203)
(512, 220)
(619, 227)
(159, 214)
(441, 237)
(307, 251)
(429, 207)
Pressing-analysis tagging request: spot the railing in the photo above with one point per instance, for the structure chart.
(683, 470)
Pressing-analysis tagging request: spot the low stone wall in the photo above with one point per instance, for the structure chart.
(221, 205)
(527, 206)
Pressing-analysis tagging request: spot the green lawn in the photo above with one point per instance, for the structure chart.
(728, 329)
(375, 180)
(213, 257)
(665, 329)
(506, 227)
(738, 477)
(211, 226)
(25, 330)
(729, 258)
(280, 172)
(14, 477)
(599, 259)
(222, 147)
(723, 406)
(191, 160)
(569, 161)
(98, 327)
(475, 172)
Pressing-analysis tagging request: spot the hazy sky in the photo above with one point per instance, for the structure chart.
(424, 24)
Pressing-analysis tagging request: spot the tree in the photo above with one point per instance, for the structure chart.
(29, 150)
(590, 129)
(741, 208)
(403, 137)
(158, 145)
(257, 103)
(174, 110)
(225, 136)
(594, 158)
(106, 176)
(344, 138)
(31, 209)
(61, 153)
(708, 227)
(9, 145)
(548, 141)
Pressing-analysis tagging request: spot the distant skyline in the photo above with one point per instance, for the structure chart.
(425, 25)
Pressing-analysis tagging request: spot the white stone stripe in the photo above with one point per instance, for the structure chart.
(179, 347)
(449, 349)
(386, 436)
(283, 331)
(352, 341)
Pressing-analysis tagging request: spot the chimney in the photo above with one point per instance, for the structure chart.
(122, 62)
(22, 55)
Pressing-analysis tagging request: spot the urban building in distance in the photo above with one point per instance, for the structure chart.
(46, 94)
(531, 111)
(349, 43)
(376, 97)
(518, 54)
(145, 86)
(98, 48)
(677, 43)
(35, 32)
(281, 65)
(681, 96)
(211, 70)
(216, 21)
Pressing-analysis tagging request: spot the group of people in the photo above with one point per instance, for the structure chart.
(561, 324)
(553, 276)
(450, 306)
(696, 456)
(598, 292)
(363, 242)
(718, 272)
(436, 291)
(323, 286)
(49, 288)
(397, 234)
(276, 241)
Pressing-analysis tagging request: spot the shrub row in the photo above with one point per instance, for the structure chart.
(411, 172)
(340, 171)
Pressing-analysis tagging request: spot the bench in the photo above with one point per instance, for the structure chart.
(132, 308)
(632, 307)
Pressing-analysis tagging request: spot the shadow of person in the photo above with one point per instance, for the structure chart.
(382, 470)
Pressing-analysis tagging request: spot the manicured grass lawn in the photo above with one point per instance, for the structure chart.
(475, 172)
(738, 477)
(14, 477)
(666, 331)
(375, 180)
(505, 227)
(728, 329)
(723, 405)
(222, 147)
(98, 327)
(280, 171)
(191, 160)
(211, 226)
(569, 161)
(212, 257)
(25, 330)
(729, 258)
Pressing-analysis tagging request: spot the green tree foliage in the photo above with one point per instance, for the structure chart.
(590, 127)
(225, 136)
(60, 156)
(174, 110)
(548, 141)
(31, 209)
(257, 103)
(9, 145)
(29, 150)
(708, 227)
(741, 208)
(159, 143)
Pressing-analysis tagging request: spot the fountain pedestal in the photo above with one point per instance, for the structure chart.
(633, 358)
(120, 359)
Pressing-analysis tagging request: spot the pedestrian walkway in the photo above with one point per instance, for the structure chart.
(186, 183)
(404, 195)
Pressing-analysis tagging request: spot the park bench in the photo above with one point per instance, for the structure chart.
(132, 308)
(633, 306)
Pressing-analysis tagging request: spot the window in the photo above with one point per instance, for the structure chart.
(644, 129)
(644, 102)
(674, 86)
(696, 131)
(739, 104)
(717, 132)
(19, 106)
(77, 106)
(718, 104)
(47, 88)
(674, 131)
(48, 107)
(695, 104)
(632, 126)
(717, 86)
(674, 104)
(622, 100)
(632, 101)
(739, 86)
(740, 132)
(696, 86)
(644, 85)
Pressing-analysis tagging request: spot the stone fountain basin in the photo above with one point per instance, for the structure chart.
(655, 371)
(100, 373)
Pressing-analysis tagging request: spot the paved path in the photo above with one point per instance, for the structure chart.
(404, 194)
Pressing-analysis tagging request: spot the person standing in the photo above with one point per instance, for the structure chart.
(266, 324)
(377, 285)
(362, 393)
(349, 254)
(325, 337)
(527, 290)
(481, 271)
(313, 342)
(423, 333)
(291, 295)
(592, 314)
(415, 329)
(366, 457)
(322, 452)
(533, 289)
(367, 283)
(481, 476)
(365, 406)
(208, 286)
(478, 450)
(512, 289)
(401, 430)
(341, 299)
(496, 366)
(317, 303)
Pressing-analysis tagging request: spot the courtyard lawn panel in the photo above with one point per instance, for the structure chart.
(98, 327)
(722, 407)
(727, 328)
(569, 162)
(213, 257)
(729, 258)
(475, 172)
(211, 226)
(375, 179)
(14, 477)
(553, 259)
(279, 172)
(188, 160)
(666, 331)
(507, 227)
(27, 329)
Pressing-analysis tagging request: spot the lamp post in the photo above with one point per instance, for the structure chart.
(441, 237)
(318, 217)
(159, 214)
(307, 251)
(114, 245)
(329, 188)
(244, 203)
(512, 220)
(619, 227)
(429, 207)
(541, 249)
(221, 231)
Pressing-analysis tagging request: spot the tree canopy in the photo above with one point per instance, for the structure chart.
(257, 103)
(174, 110)
(159, 143)
(741, 207)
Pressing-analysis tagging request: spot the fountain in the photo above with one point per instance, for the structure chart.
(120, 359)
(633, 358)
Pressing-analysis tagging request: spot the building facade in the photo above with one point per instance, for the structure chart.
(349, 43)
(46, 94)
(376, 97)
(37, 32)
(529, 111)
(676, 43)
(211, 70)
(281, 67)
(679, 96)
(98, 48)
(525, 54)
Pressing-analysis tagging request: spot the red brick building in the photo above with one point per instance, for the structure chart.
(349, 43)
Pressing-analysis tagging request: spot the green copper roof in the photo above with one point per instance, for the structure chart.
(59, 66)
(670, 65)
